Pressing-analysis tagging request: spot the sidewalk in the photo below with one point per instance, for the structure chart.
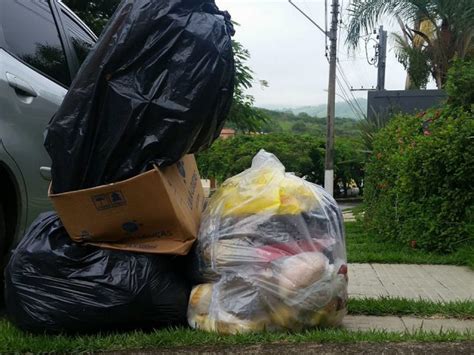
(430, 282)
(348, 216)
(406, 324)
(454, 348)
(437, 283)
(346, 208)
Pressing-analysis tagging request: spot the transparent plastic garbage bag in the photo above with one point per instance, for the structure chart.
(270, 255)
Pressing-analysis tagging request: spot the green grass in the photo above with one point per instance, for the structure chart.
(404, 307)
(365, 248)
(13, 340)
(361, 248)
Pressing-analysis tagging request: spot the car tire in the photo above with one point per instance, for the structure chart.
(3, 254)
(3, 235)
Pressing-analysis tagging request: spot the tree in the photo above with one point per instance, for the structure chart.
(349, 164)
(368, 128)
(94, 13)
(434, 32)
(302, 155)
(415, 61)
(49, 59)
(299, 127)
(243, 115)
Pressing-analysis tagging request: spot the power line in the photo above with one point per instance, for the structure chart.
(352, 59)
(309, 18)
(353, 101)
(348, 100)
(346, 81)
(357, 73)
(332, 34)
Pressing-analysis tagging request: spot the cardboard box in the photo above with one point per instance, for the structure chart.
(158, 211)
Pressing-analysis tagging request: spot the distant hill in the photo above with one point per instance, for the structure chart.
(303, 123)
(343, 109)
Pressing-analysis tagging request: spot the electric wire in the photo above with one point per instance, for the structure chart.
(352, 96)
(346, 99)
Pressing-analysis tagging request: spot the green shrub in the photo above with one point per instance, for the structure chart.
(301, 154)
(460, 84)
(419, 180)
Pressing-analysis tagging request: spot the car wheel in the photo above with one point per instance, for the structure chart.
(3, 235)
(3, 253)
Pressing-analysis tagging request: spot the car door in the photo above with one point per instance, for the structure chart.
(80, 39)
(34, 76)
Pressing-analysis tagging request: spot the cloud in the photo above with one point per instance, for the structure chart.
(288, 51)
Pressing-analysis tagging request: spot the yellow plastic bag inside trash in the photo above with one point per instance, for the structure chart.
(266, 190)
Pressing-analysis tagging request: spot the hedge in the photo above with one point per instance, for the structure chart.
(419, 181)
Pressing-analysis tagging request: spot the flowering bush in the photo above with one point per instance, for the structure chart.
(419, 182)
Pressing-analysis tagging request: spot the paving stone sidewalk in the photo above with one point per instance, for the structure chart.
(348, 216)
(406, 324)
(428, 282)
(346, 209)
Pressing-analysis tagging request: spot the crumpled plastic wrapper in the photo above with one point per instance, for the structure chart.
(270, 255)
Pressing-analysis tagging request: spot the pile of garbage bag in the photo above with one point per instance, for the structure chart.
(270, 255)
(157, 85)
(55, 285)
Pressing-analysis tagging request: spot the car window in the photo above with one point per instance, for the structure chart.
(31, 34)
(80, 39)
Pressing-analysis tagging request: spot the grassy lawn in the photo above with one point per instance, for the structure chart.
(364, 248)
(361, 248)
(12, 340)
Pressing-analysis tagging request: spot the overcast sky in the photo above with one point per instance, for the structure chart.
(288, 51)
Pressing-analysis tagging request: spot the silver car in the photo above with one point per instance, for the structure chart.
(42, 44)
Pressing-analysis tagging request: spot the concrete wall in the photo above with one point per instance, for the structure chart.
(385, 103)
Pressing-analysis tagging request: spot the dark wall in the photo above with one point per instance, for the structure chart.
(385, 103)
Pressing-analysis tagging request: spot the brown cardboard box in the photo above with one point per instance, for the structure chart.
(158, 211)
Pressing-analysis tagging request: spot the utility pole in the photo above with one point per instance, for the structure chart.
(332, 35)
(329, 161)
(382, 59)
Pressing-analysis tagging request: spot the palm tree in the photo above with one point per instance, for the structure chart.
(434, 32)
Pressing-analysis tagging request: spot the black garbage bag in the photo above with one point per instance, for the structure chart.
(156, 86)
(54, 285)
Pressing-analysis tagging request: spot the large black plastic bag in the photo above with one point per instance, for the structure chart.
(54, 285)
(157, 85)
